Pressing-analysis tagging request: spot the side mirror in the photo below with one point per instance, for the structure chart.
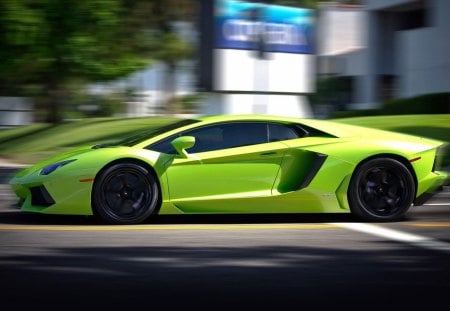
(182, 143)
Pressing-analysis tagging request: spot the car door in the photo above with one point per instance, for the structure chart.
(230, 160)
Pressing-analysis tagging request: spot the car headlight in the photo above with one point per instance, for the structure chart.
(53, 167)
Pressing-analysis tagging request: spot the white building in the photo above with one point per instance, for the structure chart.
(389, 48)
(341, 48)
(408, 48)
(15, 111)
(149, 89)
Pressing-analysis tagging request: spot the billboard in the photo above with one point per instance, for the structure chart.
(249, 47)
(273, 28)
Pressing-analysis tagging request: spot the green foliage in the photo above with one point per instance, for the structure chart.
(97, 105)
(334, 91)
(190, 103)
(436, 103)
(171, 48)
(47, 44)
(309, 4)
(428, 103)
(355, 113)
(57, 40)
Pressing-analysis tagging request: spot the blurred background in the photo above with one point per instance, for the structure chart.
(111, 67)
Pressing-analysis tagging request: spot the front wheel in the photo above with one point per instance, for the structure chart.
(125, 193)
(381, 189)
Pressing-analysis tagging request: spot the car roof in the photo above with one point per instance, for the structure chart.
(327, 126)
(246, 117)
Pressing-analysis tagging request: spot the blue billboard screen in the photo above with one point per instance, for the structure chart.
(272, 28)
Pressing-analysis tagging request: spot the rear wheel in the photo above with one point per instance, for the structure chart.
(381, 189)
(125, 193)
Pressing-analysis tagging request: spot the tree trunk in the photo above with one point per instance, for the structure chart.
(54, 91)
(172, 103)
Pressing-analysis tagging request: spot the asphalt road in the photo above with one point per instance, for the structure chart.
(226, 262)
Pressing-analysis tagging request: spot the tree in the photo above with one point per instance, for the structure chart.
(309, 4)
(46, 44)
(170, 48)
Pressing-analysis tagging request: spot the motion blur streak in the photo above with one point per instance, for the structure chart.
(168, 227)
(398, 236)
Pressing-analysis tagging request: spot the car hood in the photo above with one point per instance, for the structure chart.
(54, 159)
(89, 157)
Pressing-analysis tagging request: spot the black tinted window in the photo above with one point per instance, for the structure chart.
(220, 136)
(164, 146)
(279, 132)
(243, 134)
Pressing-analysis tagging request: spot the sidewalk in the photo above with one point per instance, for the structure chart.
(5, 163)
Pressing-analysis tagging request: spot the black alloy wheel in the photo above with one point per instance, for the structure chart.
(125, 193)
(381, 189)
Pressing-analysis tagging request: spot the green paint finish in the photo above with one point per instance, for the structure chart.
(261, 178)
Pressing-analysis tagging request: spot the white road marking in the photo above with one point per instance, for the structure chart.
(437, 204)
(399, 236)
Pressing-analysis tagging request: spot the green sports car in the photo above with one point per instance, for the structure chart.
(238, 164)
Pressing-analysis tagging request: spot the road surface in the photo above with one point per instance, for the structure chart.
(225, 262)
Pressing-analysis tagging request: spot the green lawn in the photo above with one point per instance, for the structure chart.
(35, 142)
(32, 143)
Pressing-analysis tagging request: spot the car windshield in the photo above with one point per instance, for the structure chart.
(146, 134)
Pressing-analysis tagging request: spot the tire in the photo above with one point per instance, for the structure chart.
(381, 189)
(125, 193)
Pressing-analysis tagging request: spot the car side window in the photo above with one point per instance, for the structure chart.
(206, 139)
(245, 134)
(219, 136)
(164, 146)
(279, 132)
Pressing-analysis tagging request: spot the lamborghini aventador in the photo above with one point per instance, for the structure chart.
(238, 164)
